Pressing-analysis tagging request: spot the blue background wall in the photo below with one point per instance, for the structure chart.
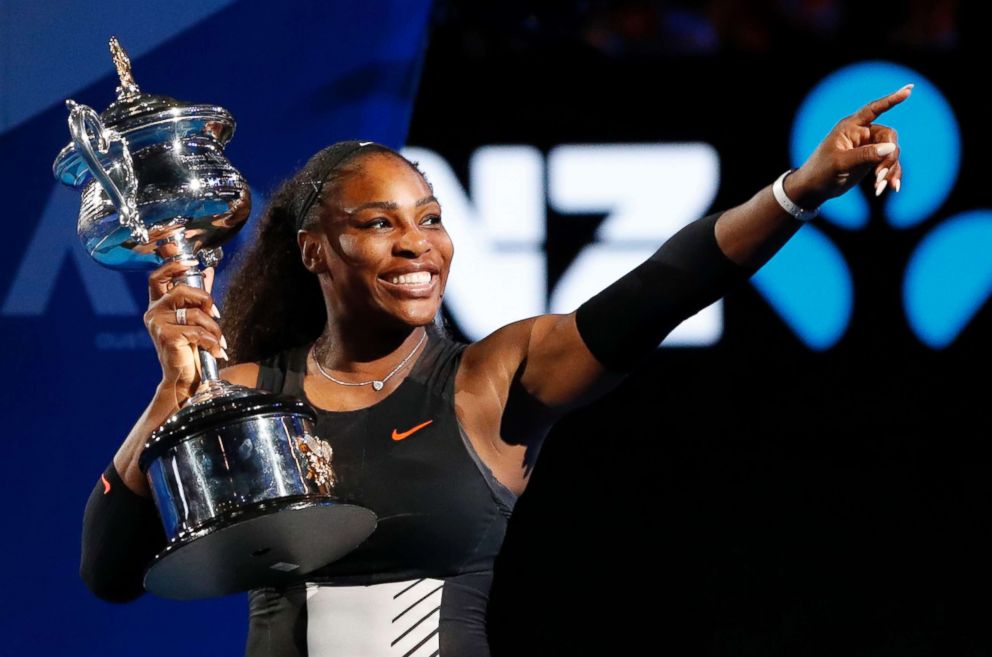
(296, 77)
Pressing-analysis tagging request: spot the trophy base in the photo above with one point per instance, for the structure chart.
(272, 544)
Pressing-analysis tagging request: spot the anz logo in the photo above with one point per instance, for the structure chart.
(647, 192)
(498, 274)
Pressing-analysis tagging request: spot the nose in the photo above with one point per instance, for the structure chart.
(412, 241)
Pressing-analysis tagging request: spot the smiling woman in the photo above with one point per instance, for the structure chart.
(374, 241)
(310, 256)
(338, 302)
(358, 248)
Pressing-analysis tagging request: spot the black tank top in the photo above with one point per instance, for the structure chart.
(419, 585)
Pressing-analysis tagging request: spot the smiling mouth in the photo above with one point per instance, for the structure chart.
(411, 278)
(410, 285)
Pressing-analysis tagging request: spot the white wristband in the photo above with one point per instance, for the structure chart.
(779, 190)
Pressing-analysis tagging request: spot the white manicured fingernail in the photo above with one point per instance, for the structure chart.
(881, 187)
(223, 354)
(223, 341)
(214, 311)
(885, 148)
(881, 174)
(908, 86)
(897, 184)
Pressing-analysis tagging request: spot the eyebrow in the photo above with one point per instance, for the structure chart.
(392, 205)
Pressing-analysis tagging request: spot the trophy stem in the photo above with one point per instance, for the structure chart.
(176, 246)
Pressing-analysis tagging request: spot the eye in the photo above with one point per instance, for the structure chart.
(433, 218)
(376, 223)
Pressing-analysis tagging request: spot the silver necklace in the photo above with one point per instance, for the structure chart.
(377, 384)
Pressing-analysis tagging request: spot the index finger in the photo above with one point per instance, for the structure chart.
(874, 109)
(159, 280)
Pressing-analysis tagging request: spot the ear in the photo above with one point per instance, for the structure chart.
(311, 250)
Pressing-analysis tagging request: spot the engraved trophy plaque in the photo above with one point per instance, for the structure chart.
(243, 486)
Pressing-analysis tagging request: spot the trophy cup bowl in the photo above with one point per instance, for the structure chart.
(243, 486)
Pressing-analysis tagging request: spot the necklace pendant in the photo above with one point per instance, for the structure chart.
(377, 385)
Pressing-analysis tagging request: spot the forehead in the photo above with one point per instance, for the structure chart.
(380, 177)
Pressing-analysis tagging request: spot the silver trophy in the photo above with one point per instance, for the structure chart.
(244, 487)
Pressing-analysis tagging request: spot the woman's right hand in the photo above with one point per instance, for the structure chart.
(176, 343)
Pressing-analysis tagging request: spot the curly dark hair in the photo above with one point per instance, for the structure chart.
(272, 302)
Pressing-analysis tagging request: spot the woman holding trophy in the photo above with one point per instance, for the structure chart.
(338, 302)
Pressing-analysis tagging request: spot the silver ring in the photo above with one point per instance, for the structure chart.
(181, 316)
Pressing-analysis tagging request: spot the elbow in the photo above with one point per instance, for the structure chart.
(121, 535)
(108, 586)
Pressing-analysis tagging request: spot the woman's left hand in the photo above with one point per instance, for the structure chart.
(854, 147)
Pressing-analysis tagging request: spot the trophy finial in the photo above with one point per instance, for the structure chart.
(122, 62)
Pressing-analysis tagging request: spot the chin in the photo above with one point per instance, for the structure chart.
(417, 317)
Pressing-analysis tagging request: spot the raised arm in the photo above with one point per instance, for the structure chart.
(121, 530)
(542, 367)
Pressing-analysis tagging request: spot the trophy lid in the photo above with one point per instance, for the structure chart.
(144, 118)
(135, 109)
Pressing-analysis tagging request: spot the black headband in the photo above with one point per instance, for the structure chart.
(346, 149)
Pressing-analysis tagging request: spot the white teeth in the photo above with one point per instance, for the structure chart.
(418, 278)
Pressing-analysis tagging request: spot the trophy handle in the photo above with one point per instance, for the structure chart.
(85, 126)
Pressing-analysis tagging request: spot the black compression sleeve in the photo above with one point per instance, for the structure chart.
(625, 322)
(121, 534)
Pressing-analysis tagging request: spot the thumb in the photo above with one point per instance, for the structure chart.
(870, 154)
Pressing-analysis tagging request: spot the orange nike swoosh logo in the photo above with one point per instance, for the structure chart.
(400, 436)
(106, 484)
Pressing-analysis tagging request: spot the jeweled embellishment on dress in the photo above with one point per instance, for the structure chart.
(318, 455)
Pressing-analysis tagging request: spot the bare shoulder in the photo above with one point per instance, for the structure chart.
(500, 351)
(492, 363)
(245, 374)
(545, 356)
(492, 368)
